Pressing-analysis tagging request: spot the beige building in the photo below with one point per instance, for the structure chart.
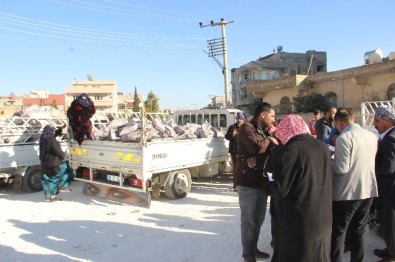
(218, 101)
(103, 93)
(349, 87)
(125, 101)
(10, 104)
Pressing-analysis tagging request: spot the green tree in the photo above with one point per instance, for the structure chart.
(136, 101)
(308, 101)
(152, 103)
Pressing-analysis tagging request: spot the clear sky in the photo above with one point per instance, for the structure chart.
(157, 45)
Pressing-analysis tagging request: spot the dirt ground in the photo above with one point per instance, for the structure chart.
(204, 226)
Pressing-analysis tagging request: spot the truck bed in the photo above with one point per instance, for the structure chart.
(143, 161)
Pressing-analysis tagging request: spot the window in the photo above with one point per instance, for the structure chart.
(186, 119)
(331, 98)
(206, 118)
(285, 105)
(214, 120)
(193, 119)
(98, 97)
(222, 120)
(199, 119)
(391, 92)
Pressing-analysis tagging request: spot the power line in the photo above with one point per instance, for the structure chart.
(40, 23)
(120, 11)
(28, 26)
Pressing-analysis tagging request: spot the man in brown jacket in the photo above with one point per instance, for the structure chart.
(253, 146)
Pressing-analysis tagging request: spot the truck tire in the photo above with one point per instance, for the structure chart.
(178, 184)
(31, 180)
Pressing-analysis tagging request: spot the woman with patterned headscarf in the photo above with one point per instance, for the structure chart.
(302, 194)
(56, 173)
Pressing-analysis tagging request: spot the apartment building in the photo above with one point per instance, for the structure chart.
(103, 93)
(277, 65)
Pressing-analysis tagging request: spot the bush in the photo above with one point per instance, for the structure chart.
(309, 101)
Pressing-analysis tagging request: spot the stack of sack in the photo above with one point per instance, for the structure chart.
(129, 130)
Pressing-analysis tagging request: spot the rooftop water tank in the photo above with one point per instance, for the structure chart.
(391, 56)
(375, 56)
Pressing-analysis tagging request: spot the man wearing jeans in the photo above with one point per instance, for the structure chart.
(254, 143)
(354, 185)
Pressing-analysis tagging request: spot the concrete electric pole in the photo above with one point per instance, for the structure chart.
(217, 47)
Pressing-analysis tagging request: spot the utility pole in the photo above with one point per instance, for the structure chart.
(218, 47)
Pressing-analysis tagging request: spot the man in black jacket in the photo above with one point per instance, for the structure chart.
(231, 135)
(384, 121)
(253, 146)
(324, 126)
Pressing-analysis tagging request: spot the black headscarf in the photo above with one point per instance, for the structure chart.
(48, 132)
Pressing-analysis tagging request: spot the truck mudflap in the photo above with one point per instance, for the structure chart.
(118, 194)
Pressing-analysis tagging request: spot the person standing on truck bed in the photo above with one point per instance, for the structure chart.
(56, 173)
(253, 146)
(231, 135)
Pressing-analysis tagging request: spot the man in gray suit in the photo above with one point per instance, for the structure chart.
(384, 121)
(354, 185)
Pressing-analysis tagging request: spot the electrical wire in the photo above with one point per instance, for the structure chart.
(121, 11)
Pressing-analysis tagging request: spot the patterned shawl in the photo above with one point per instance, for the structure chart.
(385, 112)
(291, 126)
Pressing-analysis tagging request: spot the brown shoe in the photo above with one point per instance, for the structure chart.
(54, 199)
(387, 258)
(261, 254)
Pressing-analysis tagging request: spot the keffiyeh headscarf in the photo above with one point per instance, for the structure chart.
(291, 126)
(48, 132)
(385, 112)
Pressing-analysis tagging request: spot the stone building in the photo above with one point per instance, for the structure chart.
(277, 65)
(348, 87)
(103, 93)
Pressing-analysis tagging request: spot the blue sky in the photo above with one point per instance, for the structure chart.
(157, 45)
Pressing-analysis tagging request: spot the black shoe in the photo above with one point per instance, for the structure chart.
(381, 252)
(260, 254)
(249, 259)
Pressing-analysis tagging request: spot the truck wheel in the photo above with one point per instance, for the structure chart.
(31, 180)
(179, 184)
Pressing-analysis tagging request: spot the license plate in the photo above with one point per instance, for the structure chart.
(113, 178)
